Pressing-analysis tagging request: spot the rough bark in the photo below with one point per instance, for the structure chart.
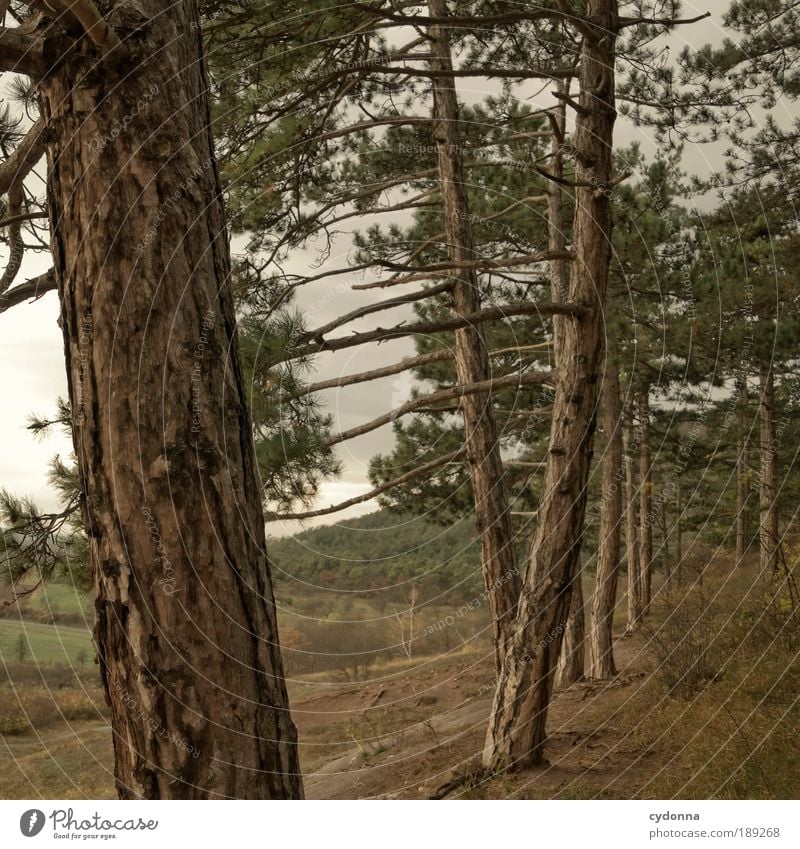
(631, 534)
(185, 628)
(646, 500)
(471, 354)
(742, 472)
(572, 662)
(516, 735)
(768, 485)
(604, 600)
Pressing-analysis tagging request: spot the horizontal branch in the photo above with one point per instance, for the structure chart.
(487, 73)
(662, 22)
(439, 269)
(418, 472)
(22, 217)
(459, 391)
(379, 306)
(405, 364)
(31, 290)
(381, 334)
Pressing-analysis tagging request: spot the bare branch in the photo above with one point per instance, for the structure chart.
(31, 290)
(418, 472)
(440, 269)
(22, 217)
(381, 334)
(405, 364)
(389, 304)
(459, 391)
(662, 22)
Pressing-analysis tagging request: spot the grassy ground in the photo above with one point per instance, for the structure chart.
(44, 644)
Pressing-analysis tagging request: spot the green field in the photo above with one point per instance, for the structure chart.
(61, 598)
(44, 643)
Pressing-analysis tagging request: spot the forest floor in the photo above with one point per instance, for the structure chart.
(705, 705)
(405, 736)
(400, 735)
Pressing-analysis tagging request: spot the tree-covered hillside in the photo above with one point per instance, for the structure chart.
(380, 551)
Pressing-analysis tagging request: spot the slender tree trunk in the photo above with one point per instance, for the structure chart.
(571, 663)
(185, 618)
(493, 517)
(601, 651)
(663, 523)
(768, 522)
(516, 735)
(631, 534)
(679, 532)
(646, 500)
(556, 236)
(742, 472)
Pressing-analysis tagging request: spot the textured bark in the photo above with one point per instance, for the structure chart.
(631, 535)
(768, 507)
(646, 500)
(185, 628)
(604, 600)
(516, 735)
(742, 472)
(493, 517)
(572, 662)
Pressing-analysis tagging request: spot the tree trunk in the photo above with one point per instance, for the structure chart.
(742, 472)
(492, 513)
(556, 237)
(571, 663)
(663, 524)
(601, 651)
(631, 534)
(516, 735)
(768, 521)
(185, 618)
(646, 500)
(679, 531)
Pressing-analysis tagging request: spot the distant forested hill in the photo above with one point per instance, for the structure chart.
(378, 551)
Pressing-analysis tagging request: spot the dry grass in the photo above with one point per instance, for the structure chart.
(28, 709)
(723, 708)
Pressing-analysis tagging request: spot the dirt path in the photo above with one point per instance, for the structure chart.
(405, 737)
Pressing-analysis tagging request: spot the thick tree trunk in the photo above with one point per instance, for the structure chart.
(571, 663)
(185, 628)
(768, 507)
(646, 500)
(742, 472)
(516, 734)
(493, 516)
(604, 600)
(631, 534)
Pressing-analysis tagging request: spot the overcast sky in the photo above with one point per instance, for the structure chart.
(33, 365)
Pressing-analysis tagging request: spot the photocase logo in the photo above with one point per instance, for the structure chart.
(31, 822)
